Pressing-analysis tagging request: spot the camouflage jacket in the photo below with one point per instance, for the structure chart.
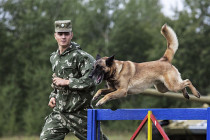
(75, 65)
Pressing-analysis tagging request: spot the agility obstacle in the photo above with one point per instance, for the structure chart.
(150, 118)
(97, 115)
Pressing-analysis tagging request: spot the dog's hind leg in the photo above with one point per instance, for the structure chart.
(185, 93)
(161, 87)
(113, 95)
(189, 84)
(101, 92)
(174, 83)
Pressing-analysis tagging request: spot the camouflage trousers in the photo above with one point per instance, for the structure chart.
(58, 125)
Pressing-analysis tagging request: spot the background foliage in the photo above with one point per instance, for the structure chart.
(130, 29)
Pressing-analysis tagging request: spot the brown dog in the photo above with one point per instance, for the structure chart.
(126, 77)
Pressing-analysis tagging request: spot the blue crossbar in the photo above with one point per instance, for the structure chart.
(97, 115)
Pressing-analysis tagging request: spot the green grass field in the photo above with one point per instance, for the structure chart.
(113, 133)
(111, 136)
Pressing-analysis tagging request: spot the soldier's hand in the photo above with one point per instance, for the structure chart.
(60, 82)
(52, 102)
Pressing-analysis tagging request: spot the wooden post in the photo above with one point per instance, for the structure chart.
(91, 132)
(89, 124)
(208, 124)
(139, 128)
(149, 126)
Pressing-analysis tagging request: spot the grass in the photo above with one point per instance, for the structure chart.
(124, 136)
(110, 135)
(33, 138)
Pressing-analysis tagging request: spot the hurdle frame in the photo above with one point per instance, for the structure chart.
(97, 115)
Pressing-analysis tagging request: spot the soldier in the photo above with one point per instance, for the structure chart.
(73, 88)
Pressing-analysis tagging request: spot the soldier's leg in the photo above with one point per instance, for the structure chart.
(53, 129)
(78, 126)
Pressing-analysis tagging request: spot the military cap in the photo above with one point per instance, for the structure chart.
(63, 26)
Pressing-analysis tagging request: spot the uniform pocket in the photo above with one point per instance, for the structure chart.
(69, 71)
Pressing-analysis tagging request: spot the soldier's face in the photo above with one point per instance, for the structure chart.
(63, 38)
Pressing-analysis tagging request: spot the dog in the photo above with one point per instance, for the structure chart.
(125, 77)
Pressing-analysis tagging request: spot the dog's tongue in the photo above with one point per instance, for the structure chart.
(99, 78)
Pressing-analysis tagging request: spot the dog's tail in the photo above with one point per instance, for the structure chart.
(172, 43)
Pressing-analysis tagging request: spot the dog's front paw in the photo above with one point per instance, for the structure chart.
(101, 102)
(98, 93)
(95, 97)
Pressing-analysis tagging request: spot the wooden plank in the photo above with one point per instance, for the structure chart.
(160, 114)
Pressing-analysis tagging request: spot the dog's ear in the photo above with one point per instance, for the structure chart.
(98, 56)
(109, 61)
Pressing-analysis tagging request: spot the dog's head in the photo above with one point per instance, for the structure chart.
(101, 68)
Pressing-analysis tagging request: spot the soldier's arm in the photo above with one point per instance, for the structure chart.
(85, 65)
(52, 94)
(52, 99)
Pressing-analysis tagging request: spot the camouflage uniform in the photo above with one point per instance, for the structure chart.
(70, 112)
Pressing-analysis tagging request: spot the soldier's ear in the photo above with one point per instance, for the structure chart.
(98, 57)
(109, 61)
(72, 34)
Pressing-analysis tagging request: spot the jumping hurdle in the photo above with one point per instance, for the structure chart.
(97, 115)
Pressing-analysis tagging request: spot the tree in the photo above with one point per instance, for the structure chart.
(27, 54)
(135, 28)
